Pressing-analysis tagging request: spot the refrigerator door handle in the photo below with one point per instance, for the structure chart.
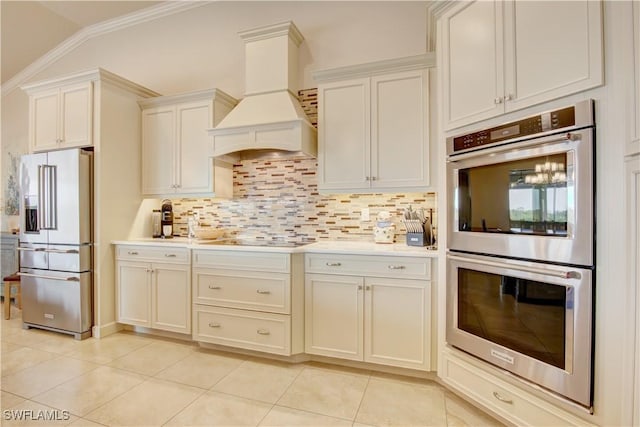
(49, 187)
(41, 198)
(43, 276)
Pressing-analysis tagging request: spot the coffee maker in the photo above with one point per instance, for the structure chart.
(167, 219)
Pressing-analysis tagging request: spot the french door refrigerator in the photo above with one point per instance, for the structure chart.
(56, 241)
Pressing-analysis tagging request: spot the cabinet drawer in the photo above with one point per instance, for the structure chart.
(152, 253)
(248, 261)
(242, 289)
(505, 400)
(365, 265)
(242, 328)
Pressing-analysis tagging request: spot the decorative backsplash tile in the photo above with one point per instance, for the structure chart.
(279, 199)
(309, 101)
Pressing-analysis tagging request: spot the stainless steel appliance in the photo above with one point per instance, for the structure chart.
(167, 219)
(56, 241)
(520, 260)
(525, 189)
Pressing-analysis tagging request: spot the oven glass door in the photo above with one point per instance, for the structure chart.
(531, 319)
(532, 200)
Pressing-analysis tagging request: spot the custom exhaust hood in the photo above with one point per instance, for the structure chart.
(269, 121)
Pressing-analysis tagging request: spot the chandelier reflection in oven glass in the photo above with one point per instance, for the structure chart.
(538, 198)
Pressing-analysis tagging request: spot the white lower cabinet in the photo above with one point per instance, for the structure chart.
(248, 300)
(352, 315)
(502, 398)
(151, 291)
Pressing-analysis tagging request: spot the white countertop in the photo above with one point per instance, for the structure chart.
(324, 246)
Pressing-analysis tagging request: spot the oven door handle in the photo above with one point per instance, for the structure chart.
(571, 274)
(566, 137)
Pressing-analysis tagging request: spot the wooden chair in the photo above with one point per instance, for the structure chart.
(10, 281)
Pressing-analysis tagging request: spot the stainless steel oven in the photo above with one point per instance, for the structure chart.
(525, 189)
(532, 319)
(520, 259)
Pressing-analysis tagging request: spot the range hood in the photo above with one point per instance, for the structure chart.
(269, 121)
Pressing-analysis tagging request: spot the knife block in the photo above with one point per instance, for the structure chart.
(417, 239)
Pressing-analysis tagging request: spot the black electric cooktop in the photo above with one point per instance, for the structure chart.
(258, 242)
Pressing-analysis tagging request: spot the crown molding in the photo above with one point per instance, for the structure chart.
(287, 28)
(97, 74)
(409, 63)
(210, 94)
(135, 18)
(434, 11)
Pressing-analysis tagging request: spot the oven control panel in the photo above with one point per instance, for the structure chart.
(544, 122)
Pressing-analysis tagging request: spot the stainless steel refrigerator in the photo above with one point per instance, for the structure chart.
(56, 241)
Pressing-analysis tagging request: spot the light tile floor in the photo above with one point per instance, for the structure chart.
(134, 380)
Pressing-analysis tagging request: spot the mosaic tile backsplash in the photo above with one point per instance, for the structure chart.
(279, 200)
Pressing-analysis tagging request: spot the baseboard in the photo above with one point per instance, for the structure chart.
(101, 331)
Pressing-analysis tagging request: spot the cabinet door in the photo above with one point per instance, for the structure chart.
(133, 293)
(76, 106)
(399, 131)
(171, 298)
(333, 316)
(344, 121)
(561, 57)
(158, 150)
(195, 167)
(44, 120)
(470, 37)
(397, 322)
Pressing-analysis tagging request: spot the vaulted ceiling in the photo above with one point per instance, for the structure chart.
(30, 29)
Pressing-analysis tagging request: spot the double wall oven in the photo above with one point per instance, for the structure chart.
(520, 260)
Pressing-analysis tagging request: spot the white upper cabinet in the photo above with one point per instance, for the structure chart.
(61, 117)
(176, 148)
(500, 56)
(634, 110)
(66, 112)
(373, 126)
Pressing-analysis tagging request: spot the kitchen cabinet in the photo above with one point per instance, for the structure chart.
(373, 126)
(369, 308)
(8, 255)
(497, 57)
(634, 110)
(632, 349)
(61, 117)
(467, 377)
(153, 287)
(176, 146)
(249, 299)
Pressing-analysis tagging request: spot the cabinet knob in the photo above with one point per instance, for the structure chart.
(367, 288)
(498, 100)
(333, 264)
(373, 178)
(397, 267)
(214, 287)
(359, 287)
(260, 291)
(509, 97)
(263, 332)
(366, 178)
(214, 325)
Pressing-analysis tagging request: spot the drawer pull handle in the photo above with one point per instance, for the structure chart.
(214, 287)
(170, 255)
(397, 267)
(132, 253)
(333, 264)
(260, 291)
(263, 332)
(502, 399)
(214, 325)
